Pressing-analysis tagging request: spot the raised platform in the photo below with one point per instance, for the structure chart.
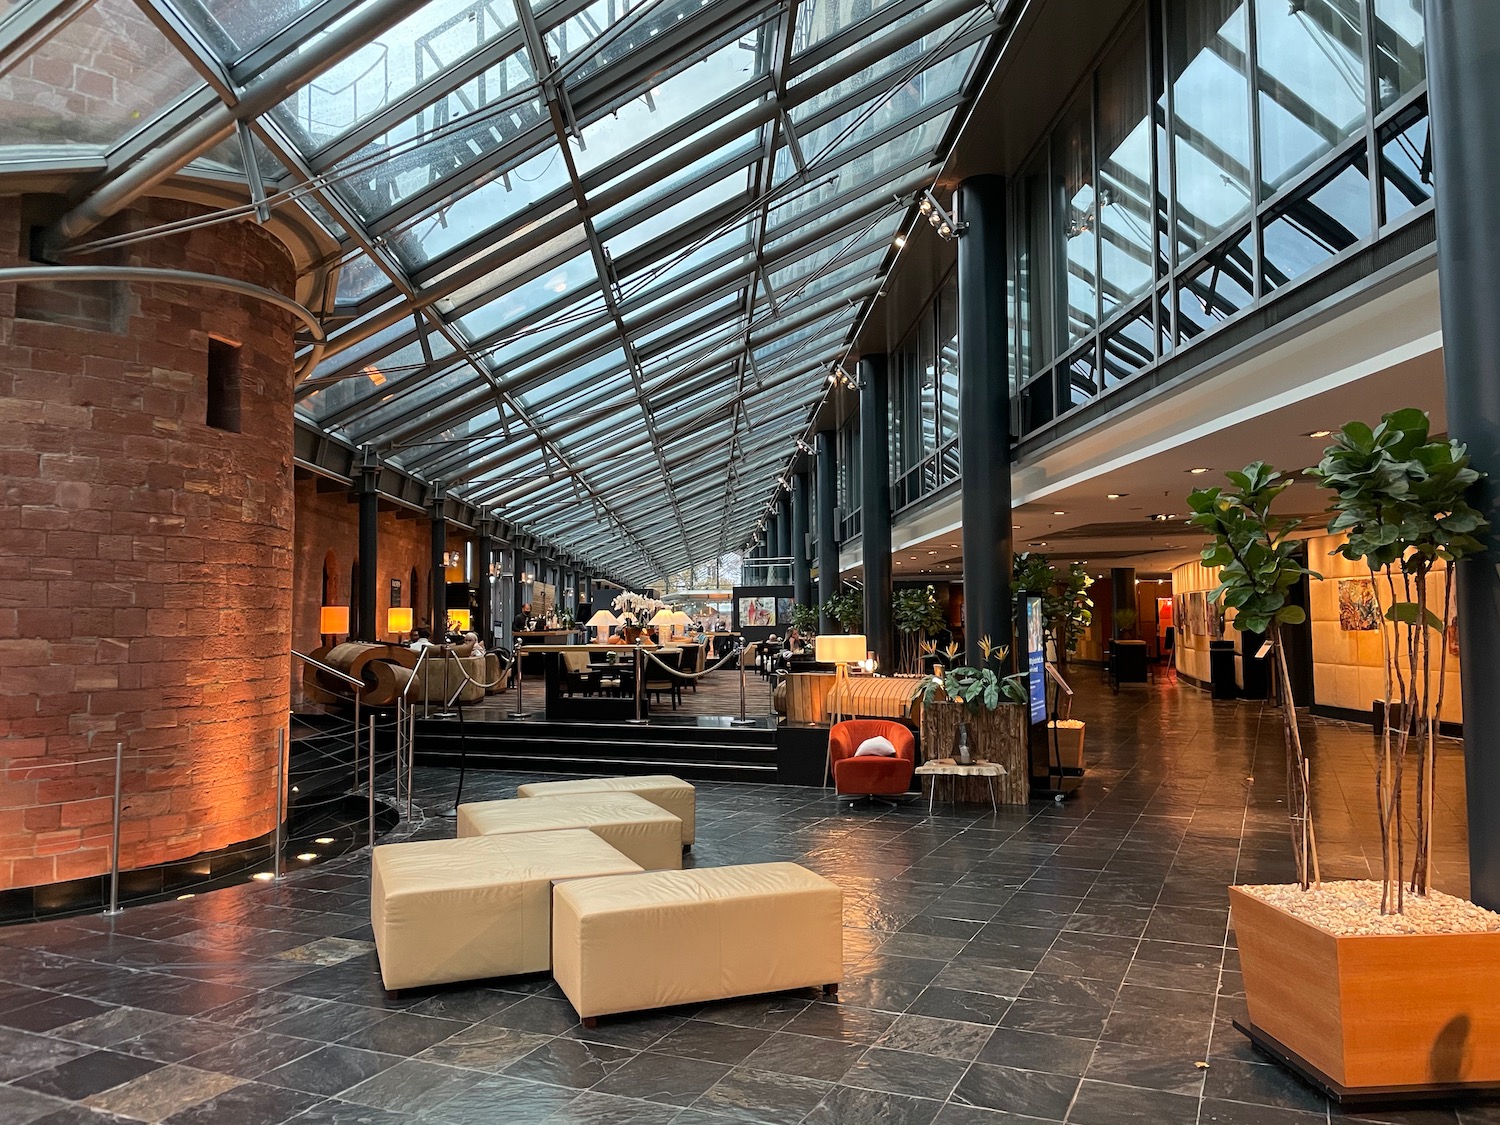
(693, 747)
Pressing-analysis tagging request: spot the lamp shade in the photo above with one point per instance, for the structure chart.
(663, 616)
(603, 619)
(839, 648)
(333, 619)
(460, 618)
(680, 618)
(398, 619)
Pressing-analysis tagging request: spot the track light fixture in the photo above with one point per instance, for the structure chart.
(803, 447)
(945, 224)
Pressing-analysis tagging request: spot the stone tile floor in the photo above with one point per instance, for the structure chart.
(1056, 963)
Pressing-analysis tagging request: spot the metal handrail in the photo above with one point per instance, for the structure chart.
(332, 671)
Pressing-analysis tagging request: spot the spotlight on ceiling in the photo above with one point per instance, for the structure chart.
(1321, 433)
(945, 224)
(1197, 472)
(1116, 495)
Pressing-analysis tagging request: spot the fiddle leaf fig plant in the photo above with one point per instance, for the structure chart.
(1258, 564)
(1066, 606)
(1399, 498)
(847, 609)
(917, 617)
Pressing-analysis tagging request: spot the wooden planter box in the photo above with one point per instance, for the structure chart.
(1068, 752)
(998, 736)
(1371, 1018)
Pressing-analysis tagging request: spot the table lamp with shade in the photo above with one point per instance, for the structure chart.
(840, 650)
(680, 622)
(460, 618)
(663, 619)
(602, 621)
(333, 620)
(398, 620)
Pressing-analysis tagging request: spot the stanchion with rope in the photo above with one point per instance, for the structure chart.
(114, 849)
(277, 872)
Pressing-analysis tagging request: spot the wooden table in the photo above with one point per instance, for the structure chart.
(947, 767)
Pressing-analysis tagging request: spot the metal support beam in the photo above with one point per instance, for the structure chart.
(828, 547)
(801, 570)
(1463, 76)
(983, 416)
(369, 545)
(484, 555)
(439, 529)
(875, 511)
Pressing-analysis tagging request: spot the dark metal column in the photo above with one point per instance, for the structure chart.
(783, 537)
(1121, 596)
(828, 546)
(368, 628)
(801, 569)
(984, 414)
(438, 515)
(875, 510)
(484, 551)
(1463, 87)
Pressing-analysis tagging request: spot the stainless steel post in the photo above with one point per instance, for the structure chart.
(520, 711)
(411, 755)
(372, 780)
(356, 742)
(640, 673)
(114, 849)
(280, 797)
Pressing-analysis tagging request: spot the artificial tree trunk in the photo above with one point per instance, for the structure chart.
(998, 736)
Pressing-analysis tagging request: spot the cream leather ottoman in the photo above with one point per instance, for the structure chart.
(449, 910)
(649, 835)
(676, 937)
(671, 793)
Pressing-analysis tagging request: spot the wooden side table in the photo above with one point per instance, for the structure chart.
(947, 767)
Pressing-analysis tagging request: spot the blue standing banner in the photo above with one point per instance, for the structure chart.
(1036, 658)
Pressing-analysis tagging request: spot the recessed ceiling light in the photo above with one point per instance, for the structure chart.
(1116, 495)
(307, 857)
(1059, 513)
(263, 876)
(1039, 544)
(1321, 433)
(324, 840)
(932, 552)
(1160, 517)
(1195, 472)
(1015, 527)
(183, 898)
(900, 241)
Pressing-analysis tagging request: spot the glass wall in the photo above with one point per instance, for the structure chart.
(1221, 151)
(924, 401)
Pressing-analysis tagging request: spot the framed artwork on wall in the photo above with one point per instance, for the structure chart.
(396, 593)
(784, 611)
(1359, 612)
(757, 611)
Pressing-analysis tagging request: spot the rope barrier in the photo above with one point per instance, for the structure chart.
(681, 675)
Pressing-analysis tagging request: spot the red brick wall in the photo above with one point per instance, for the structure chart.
(145, 563)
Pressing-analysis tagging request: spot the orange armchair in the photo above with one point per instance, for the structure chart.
(870, 776)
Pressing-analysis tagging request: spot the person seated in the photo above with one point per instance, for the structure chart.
(422, 638)
(476, 647)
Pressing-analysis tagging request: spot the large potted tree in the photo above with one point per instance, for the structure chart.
(987, 708)
(1376, 988)
(1067, 610)
(917, 618)
(847, 610)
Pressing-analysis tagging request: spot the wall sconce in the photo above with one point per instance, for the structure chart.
(945, 224)
(333, 620)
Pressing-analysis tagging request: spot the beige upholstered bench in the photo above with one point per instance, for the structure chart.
(450, 910)
(671, 793)
(677, 937)
(649, 835)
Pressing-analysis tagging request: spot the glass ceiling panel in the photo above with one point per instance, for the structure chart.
(518, 304)
(666, 103)
(94, 80)
(427, 42)
(234, 26)
(734, 187)
(882, 111)
(887, 72)
(818, 20)
(374, 380)
(491, 201)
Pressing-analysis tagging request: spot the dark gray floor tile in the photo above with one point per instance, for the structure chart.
(326, 1022)
(1154, 1068)
(21, 1107)
(86, 1075)
(498, 1098)
(49, 1011)
(252, 1054)
(767, 1013)
(927, 1035)
(569, 1062)
(591, 1108)
(850, 1105)
(1215, 1112)
(179, 1039)
(1260, 1083)
(1055, 1019)
(329, 1070)
(250, 1103)
(842, 1021)
(542, 1014)
(484, 1047)
(961, 1004)
(402, 1033)
(1030, 1050)
(335, 1112)
(805, 1055)
(1101, 1103)
(746, 1095)
(662, 1078)
(712, 1042)
(1027, 1092)
(412, 1086)
(23, 1052)
(904, 1072)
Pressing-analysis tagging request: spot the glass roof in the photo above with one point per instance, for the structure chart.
(597, 256)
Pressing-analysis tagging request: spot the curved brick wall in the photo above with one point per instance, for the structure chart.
(145, 557)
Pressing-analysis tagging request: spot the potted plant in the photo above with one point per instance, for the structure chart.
(991, 708)
(847, 610)
(805, 619)
(1068, 611)
(917, 617)
(1365, 987)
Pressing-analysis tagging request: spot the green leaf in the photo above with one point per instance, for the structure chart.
(1409, 613)
(1291, 615)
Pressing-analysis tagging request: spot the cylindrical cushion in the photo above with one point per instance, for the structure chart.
(678, 937)
(451, 910)
(649, 835)
(671, 793)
